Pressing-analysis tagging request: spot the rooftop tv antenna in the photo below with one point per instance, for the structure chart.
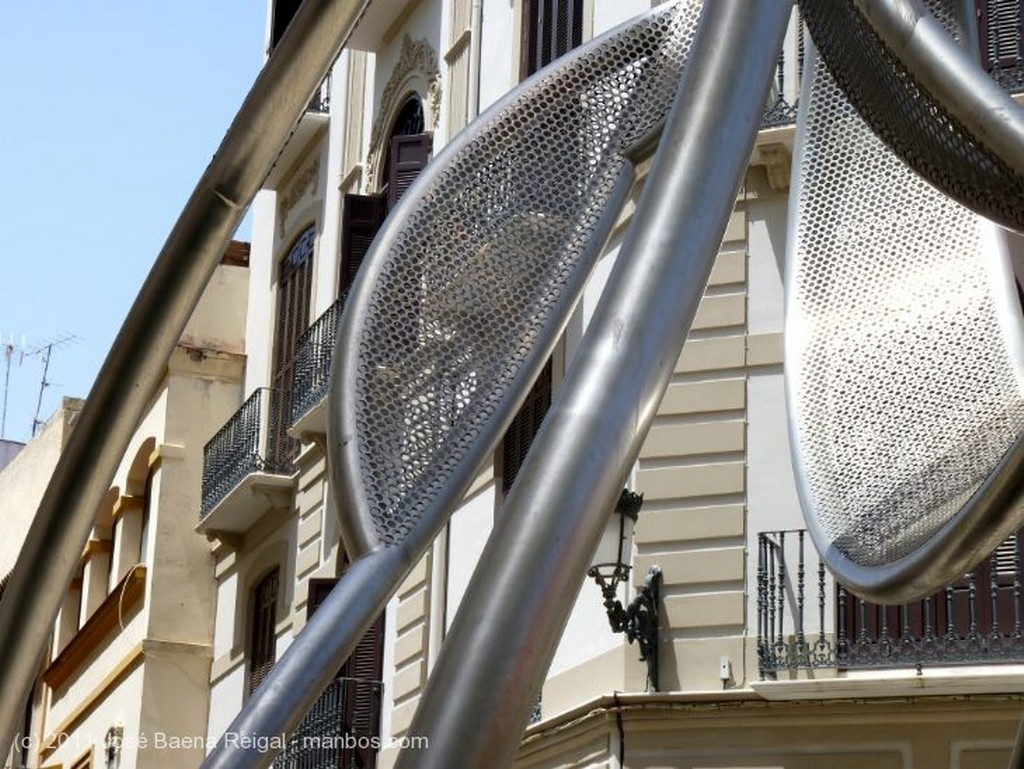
(11, 350)
(45, 351)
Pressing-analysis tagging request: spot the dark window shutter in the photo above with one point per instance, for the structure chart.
(294, 289)
(263, 640)
(409, 156)
(551, 28)
(284, 11)
(362, 217)
(1000, 24)
(361, 676)
(524, 427)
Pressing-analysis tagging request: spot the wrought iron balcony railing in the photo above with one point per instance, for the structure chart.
(782, 105)
(313, 361)
(241, 447)
(333, 734)
(1000, 24)
(321, 101)
(804, 621)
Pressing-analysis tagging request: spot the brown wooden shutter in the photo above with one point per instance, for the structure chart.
(361, 676)
(1000, 26)
(294, 290)
(361, 218)
(409, 156)
(263, 639)
(524, 427)
(551, 28)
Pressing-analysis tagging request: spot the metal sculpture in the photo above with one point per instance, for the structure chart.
(904, 346)
(464, 295)
(137, 361)
(453, 317)
(493, 661)
(927, 97)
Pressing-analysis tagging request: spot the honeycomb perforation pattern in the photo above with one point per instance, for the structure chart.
(910, 121)
(473, 277)
(904, 392)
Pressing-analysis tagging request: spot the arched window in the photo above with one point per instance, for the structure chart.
(294, 289)
(405, 155)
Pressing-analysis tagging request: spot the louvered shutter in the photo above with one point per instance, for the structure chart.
(294, 290)
(524, 427)
(362, 217)
(999, 25)
(409, 156)
(551, 28)
(263, 640)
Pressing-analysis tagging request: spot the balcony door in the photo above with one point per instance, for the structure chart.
(294, 287)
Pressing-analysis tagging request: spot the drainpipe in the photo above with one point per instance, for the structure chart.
(475, 25)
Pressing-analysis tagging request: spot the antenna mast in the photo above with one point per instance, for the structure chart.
(45, 351)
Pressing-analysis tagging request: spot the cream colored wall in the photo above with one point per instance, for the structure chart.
(24, 479)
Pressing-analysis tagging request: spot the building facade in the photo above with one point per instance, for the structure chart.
(763, 660)
(128, 664)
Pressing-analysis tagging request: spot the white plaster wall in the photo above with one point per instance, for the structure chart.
(225, 702)
(224, 629)
(258, 327)
(423, 23)
(610, 13)
(218, 321)
(119, 708)
(23, 481)
(468, 532)
(587, 633)
(766, 247)
(499, 63)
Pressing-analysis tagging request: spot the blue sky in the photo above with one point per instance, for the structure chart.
(111, 111)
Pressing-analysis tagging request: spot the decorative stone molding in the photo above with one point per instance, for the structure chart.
(417, 57)
(308, 178)
(777, 161)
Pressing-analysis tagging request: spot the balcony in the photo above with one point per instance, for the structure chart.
(313, 372)
(806, 622)
(339, 731)
(311, 123)
(246, 468)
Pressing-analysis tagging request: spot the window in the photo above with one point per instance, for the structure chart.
(551, 28)
(408, 152)
(294, 287)
(524, 427)
(263, 639)
(359, 685)
(284, 11)
(999, 27)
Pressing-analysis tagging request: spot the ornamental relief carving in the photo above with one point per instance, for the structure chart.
(305, 180)
(417, 57)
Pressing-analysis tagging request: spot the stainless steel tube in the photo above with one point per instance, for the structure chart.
(137, 361)
(951, 74)
(294, 684)
(492, 664)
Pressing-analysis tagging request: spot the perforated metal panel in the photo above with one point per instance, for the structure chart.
(468, 286)
(908, 117)
(903, 341)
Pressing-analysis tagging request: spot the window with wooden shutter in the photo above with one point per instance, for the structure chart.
(362, 217)
(408, 156)
(1000, 24)
(294, 288)
(551, 28)
(284, 11)
(263, 639)
(524, 427)
(360, 677)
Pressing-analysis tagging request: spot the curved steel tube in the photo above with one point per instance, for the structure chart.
(638, 61)
(951, 75)
(137, 361)
(493, 661)
(904, 363)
